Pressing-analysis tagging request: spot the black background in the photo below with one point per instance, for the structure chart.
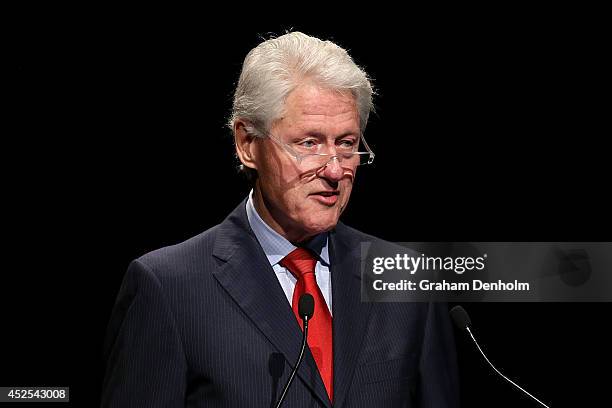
(489, 127)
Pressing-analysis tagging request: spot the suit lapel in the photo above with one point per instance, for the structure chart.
(249, 279)
(350, 315)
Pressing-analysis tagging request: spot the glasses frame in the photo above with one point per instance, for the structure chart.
(299, 157)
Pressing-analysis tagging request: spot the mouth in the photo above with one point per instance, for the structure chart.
(328, 198)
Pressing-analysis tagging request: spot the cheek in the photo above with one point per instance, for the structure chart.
(297, 203)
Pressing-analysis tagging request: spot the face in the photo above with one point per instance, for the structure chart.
(295, 201)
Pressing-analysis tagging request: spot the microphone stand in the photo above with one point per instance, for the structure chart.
(463, 322)
(297, 364)
(499, 372)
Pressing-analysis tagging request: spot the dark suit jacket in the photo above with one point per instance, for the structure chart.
(205, 323)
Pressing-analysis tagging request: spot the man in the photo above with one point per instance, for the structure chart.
(212, 321)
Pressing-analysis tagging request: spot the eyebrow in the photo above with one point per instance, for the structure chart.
(320, 135)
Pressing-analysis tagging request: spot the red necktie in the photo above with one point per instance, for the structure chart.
(302, 263)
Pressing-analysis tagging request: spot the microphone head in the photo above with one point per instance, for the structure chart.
(460, 317)
(306, 306)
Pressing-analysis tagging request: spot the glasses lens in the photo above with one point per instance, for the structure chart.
(346, 160)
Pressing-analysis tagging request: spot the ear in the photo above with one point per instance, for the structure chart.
(245, 145)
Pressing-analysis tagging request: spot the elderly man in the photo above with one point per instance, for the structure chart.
(212, 321)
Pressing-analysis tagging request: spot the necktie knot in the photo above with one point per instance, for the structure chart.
(300, 262)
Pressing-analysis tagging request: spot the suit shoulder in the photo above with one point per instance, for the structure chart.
(181, 258)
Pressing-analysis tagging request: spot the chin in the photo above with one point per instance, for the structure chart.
(319, 226)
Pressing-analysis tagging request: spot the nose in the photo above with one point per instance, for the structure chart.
(332, 170)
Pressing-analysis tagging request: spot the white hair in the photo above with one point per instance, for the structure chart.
(273, 69)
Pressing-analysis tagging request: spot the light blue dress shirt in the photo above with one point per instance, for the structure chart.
(276, 247)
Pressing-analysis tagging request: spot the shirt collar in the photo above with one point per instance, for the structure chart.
(275, 246)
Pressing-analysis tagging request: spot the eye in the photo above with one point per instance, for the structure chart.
(308, 143)
(346, 143)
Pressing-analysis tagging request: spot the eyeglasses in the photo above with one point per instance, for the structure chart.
(308, 156)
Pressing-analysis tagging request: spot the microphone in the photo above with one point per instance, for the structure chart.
(305, 310)
(463, 322)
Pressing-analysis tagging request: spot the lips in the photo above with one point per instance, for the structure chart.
(327, 198)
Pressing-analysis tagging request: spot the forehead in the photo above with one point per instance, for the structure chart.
(310, 106)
